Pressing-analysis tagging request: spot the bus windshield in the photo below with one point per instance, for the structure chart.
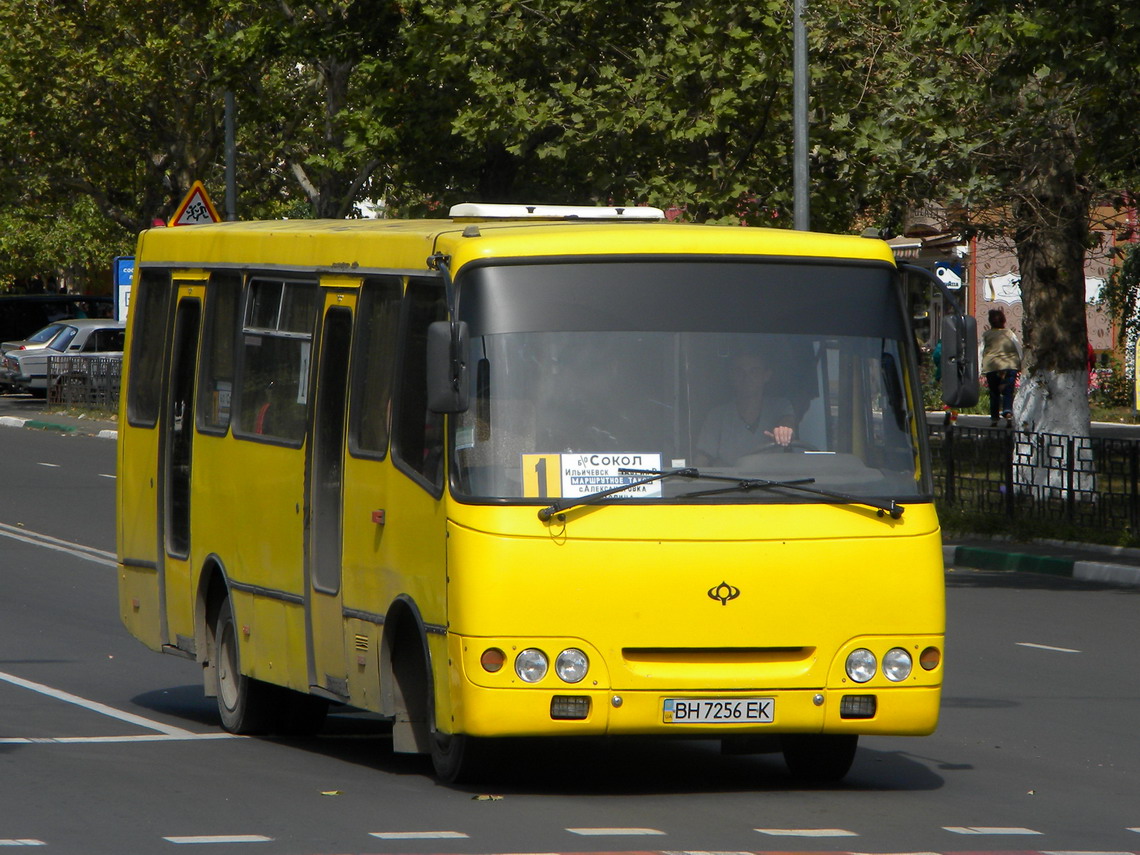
(760, 370)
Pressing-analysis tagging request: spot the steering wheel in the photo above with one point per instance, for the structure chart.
(794, 445)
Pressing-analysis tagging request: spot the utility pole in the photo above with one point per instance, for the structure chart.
(231, 158)
(802, 213)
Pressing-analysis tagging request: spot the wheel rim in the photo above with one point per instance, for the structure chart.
(227, 667)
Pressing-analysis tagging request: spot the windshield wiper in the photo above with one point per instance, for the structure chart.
(651, 475)
(884, 506)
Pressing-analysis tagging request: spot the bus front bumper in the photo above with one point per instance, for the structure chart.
(479, 711)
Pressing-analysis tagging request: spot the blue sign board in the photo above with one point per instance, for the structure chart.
(124, 277)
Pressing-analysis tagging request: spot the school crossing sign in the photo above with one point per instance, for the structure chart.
(195, 209)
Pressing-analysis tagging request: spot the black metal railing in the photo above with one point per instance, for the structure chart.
(84, 382)
(1077, 480)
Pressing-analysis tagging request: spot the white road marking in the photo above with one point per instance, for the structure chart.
(807, 832)
(92, 740)
(981, 829)
(94, 706)
(221, 838)
(112, 477)
(622, 832)
(22, 842)
(87, 553)
(1047, 647)
(51, 465)
(419, 835)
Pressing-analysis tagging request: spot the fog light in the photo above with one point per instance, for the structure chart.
(493, 660)
(897, 665)
(930, 659)
(569, 707)
(858, 706)
(531, 665)
(861, 665)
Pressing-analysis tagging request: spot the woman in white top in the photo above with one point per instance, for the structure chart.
(1001, 362)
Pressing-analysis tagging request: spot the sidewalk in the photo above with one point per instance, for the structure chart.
(74, 425)
(1088, 562)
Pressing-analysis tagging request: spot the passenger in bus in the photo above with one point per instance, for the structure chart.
(752, 421)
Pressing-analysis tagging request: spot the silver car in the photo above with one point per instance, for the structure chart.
(27, 368)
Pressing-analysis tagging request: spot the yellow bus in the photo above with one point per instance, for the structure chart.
(527, 471)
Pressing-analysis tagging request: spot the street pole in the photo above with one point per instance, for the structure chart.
(802, 213)
(231, 177)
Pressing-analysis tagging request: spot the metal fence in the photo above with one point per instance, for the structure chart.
(1083, 481)
(86, 382)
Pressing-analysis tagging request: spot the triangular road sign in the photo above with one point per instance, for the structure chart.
(196, 208)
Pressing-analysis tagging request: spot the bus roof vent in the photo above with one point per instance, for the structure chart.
(476, 210)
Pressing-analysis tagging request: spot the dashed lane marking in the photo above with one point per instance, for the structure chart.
(981, 829)
(419, 835)
(1047, 647)
(807, 832)
(22, 842)
(220, 838)
(614, 832)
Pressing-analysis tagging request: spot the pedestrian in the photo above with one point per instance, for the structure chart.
(1001, 362)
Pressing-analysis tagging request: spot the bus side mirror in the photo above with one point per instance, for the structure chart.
(447, 353)
(960, 361)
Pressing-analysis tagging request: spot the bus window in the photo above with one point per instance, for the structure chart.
(150, 305)
(419, 432)
(374, 366)
(216, 386)
(625, 371)
(276, 349)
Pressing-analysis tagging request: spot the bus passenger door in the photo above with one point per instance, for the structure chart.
(177, 459)
(328, 667)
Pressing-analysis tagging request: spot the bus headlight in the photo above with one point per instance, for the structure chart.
(861, 665)
(571, 665)
(531, 665)
(897, 665)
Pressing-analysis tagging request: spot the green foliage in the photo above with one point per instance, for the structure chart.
(1122, 296)
(1024, 109)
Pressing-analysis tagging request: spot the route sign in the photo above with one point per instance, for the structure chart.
(196, 208)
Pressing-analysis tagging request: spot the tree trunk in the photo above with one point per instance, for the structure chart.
(1052, 217)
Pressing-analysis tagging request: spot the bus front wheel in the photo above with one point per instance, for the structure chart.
(246, 705)
(458, 758)
(816, 758)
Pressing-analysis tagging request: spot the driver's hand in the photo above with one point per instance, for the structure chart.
(781, 435)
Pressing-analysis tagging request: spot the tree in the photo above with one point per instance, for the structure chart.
(1021, 115)
(670, 102)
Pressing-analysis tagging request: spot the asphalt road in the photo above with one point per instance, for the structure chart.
(106, 747)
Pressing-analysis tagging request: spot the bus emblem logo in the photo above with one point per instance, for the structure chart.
(723, 592)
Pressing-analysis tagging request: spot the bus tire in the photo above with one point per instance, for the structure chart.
(458, 758)
(819, 758)
(246, 706)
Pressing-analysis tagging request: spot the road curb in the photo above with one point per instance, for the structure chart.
(979, 558)
(59, 427)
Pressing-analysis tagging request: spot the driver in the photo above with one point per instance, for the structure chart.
(751, 421)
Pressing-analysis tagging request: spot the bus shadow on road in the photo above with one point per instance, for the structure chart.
(582, 766)
(629, 766)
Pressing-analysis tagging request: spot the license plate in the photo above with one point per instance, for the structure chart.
(719, 710)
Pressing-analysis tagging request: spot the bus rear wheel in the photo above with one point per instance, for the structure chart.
(246, 705)
(819, 758)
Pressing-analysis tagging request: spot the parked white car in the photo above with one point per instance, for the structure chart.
(27, 368)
